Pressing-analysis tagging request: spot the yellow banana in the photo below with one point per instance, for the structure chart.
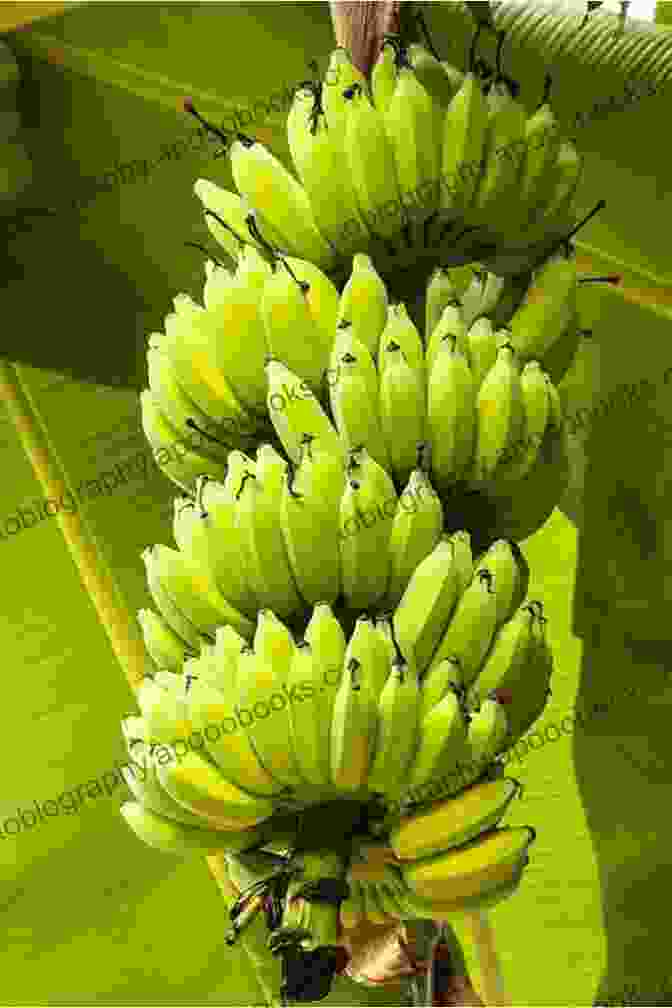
(176, 838)
(267, 185)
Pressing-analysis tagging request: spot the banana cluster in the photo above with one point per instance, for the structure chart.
(317, 375)
(423, 697)
(536, 311)
(422, 161)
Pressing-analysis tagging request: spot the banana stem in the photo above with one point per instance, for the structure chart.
(481, 932)
(121, 629)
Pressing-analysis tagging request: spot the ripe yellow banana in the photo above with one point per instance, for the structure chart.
(177, 838)
(267, 185)
(451, 823)
(227, 744)
(472, 870)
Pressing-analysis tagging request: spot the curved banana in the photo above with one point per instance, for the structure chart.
(451, 417)
(416, 530)
(194, 594)
(398, 723)
(472, 870)
(353, 731)
(546, 309)
(347, 342)
(296, 412)
(488, 731)
(228, 745)
(507, 663)
(411, 121)
(226, 217)
(260, 679)
(341, 75)
(177, 838)
(309, 508)
(497, 201)
(401, 329)
(364, 302)
(181, 464)
(505, 560)
(464, 133)
(440, 677)
(481, 348)
(500, 414)
(262, 545)
(371, 653)
(442, 737)
(440, 293)
(357, 416)
(304, 681)
(325, 635)
(402, 410)
(316, 150)
(365, 559)
(384, 76)
(292, 332)
(425, 607)
(471, 628)
(267, 185)
(450, 329)
(166, 648)
(205, 533)
(372, 164)
(448, 824)
(542, 143)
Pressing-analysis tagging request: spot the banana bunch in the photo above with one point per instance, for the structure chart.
(537, 311)
(433, 689)
(422, 161)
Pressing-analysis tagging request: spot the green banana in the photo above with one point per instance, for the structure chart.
(353, 731)
(427, 603)
(416, 530)
(472, 625)
(397, 730)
